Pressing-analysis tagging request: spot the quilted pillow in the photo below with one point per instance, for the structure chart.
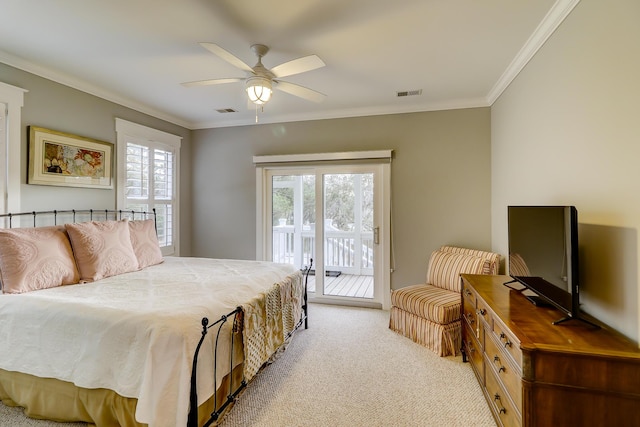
(102, 249)
(35, 258)
(445, 269)
(145, 242)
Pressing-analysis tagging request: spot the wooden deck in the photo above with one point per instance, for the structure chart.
(345, 285)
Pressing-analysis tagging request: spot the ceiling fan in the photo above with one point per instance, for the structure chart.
(259, 80)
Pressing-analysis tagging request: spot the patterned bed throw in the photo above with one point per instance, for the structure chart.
(268, 319)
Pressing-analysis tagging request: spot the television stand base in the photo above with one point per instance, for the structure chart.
(538, 301)
(566, 319)
(511, 287)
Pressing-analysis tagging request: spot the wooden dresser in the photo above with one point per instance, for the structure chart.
(534, 373)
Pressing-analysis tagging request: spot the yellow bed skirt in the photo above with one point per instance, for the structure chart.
(51, 399)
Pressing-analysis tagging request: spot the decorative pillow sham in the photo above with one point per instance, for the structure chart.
(145, 242)
(35, 258)
(102, 249)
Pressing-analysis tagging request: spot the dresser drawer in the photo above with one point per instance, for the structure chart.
(469, 310)
(508, 341)
(504, 370)
(469, 294)
(500, 403)
(474, 352)
(469, 313)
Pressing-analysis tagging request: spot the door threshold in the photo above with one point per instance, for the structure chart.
(342, 301)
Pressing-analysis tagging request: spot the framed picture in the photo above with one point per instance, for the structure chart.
(58, 158)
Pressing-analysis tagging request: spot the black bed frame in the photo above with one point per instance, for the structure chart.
(73, 216)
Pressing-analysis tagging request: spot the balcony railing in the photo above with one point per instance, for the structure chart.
(345, 251)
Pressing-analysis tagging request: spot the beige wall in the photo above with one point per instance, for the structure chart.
(440, 180)
(59, 107)
(567, 131)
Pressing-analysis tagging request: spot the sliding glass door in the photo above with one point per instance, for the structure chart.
(333, 216)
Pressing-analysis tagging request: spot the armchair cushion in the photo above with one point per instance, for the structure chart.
(445, 269)
(492, 259)
(429, 302)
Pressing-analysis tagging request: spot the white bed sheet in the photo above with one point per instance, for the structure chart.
(134, 333)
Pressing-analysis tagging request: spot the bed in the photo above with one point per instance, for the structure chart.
(166, 341)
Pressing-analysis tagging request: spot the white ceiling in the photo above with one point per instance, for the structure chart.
(460, 53)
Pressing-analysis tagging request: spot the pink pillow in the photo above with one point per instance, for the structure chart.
(102, 249)
(35, 258)
(145, 242)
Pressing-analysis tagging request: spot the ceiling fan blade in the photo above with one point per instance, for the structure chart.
(297, 66)
(227, 56)
(300, 91)
(212, 82)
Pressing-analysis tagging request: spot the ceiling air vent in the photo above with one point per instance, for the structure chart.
(409, 93)
(226, 110)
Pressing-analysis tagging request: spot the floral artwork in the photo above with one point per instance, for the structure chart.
(73, 161)
(58, 158)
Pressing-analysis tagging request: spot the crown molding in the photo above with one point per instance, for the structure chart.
(81, 85)
(346, 113)
(552, 20)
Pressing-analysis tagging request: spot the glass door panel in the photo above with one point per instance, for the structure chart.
(348, 235)
(293, 219)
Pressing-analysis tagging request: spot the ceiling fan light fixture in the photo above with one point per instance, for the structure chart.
(259, 89)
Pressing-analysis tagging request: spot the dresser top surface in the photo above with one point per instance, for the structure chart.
(534, 326)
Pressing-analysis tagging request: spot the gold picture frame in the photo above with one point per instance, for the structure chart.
(63, 159)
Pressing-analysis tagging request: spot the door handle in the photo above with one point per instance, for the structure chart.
(376, 235)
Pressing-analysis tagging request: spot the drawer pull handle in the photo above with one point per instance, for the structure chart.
(482, 311)
(471, 318)
(507, 343)
(496, 359)
(501, 410)
(467, 292)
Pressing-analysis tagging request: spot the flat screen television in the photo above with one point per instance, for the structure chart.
(543, 255)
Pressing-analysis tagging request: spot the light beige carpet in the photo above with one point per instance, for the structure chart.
(348, 369)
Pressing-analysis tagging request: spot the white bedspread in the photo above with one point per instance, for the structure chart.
(134, 333)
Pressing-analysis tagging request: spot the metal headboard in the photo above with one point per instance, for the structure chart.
(84, 214)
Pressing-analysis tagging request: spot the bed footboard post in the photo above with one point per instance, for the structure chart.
(192, 420)
(305, 304)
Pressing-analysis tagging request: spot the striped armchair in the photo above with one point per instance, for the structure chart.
(430, 313)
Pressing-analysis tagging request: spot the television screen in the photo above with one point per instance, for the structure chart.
(543, 253)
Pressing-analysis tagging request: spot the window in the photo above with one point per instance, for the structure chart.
(147, 177)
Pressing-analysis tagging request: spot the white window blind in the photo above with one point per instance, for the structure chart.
(147, 171)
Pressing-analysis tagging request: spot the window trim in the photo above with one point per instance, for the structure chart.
(13, 98)
(153, 138)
